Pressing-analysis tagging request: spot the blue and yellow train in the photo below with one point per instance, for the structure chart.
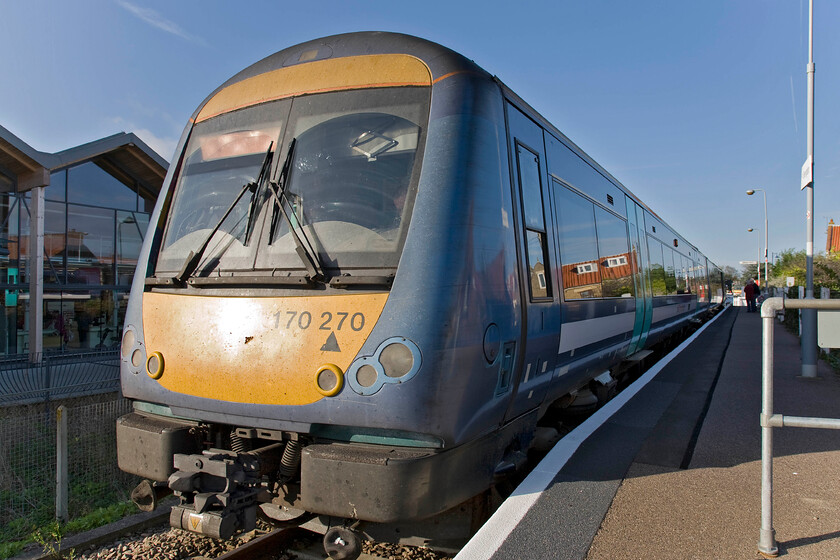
(371, 271)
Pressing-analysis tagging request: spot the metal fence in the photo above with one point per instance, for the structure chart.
(28, 439)
(57, 376)
(770, 419)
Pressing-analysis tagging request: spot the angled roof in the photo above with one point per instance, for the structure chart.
(27, 164)
(123, 155)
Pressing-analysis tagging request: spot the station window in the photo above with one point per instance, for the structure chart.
(6, 184)
(90, 184)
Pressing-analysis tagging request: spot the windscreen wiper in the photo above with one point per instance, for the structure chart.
(252, 211)
(194, 257)
(308, 255)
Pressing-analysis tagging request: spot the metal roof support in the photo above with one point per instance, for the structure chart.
(36, 276)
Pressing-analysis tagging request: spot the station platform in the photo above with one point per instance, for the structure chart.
(671, 467)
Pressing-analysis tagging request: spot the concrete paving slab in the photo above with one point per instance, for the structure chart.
(712, 509)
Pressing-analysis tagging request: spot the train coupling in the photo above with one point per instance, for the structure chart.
(221, 490)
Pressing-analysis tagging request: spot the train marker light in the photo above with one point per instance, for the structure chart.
(366, 376)
(329, 380)
(154, 365)
(137, 358)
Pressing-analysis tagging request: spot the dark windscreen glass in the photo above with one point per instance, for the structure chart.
(349, 189)
(223, 154)
(352, 178)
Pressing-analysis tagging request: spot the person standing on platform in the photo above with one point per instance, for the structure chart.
(751, 292)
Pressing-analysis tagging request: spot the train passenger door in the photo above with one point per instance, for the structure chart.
(641, 276)
(540, 335)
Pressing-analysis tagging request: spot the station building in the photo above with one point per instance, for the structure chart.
(832, 242)
(71, 227)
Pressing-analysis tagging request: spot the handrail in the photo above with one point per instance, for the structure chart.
(767, 538)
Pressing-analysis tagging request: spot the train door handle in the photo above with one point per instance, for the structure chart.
(506, 368)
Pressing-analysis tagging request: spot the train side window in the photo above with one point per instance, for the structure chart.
(694, 278)
(578, 245)
(615, 258)
(670, 275)
(657, 268)
(680, 264)
(535, 237)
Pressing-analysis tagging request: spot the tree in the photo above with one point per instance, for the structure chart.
(789, 263)
(793, 263)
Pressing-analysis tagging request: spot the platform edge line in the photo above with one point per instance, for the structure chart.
(495, 531)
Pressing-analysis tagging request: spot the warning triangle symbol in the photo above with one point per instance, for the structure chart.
(331, 345)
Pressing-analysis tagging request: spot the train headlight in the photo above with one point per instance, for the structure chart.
(329, 380)
(132, 350)
(154, 365)
(395, 361)
(128, 343)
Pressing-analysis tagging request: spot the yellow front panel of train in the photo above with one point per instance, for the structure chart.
(353, 72)
(255, 350)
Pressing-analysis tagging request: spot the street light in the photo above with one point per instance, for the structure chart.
(766, 230)
(758, 260)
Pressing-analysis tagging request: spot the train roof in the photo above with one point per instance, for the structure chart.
(441, 62)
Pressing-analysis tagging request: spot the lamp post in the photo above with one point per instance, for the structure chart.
(758, 259)
(766, 231)
(809, 316)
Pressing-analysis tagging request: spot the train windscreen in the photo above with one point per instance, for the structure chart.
(347, 191)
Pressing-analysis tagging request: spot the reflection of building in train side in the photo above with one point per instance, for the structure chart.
(611, 276)
(94, 203)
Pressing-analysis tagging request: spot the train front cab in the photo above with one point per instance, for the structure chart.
(588, 300)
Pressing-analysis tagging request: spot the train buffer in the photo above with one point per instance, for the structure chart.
(674, 471)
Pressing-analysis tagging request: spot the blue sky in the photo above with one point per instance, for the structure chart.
(689, 104)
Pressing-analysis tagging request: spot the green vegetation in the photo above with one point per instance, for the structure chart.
(49, 533)
(792, 263)
(97, 492)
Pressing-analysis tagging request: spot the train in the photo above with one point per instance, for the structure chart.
(371, 273)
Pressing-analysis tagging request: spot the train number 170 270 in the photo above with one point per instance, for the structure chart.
(328, 321)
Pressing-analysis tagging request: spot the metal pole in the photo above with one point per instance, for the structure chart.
(36, 275)
(61, 480)
(766, 236)
(758, 257)
(767, 536)
(758, 260)
(766, 239)
(809, 316)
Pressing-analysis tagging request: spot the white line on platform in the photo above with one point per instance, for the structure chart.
(492, 534)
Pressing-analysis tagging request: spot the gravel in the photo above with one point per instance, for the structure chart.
(168, 544)
(164, 543)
